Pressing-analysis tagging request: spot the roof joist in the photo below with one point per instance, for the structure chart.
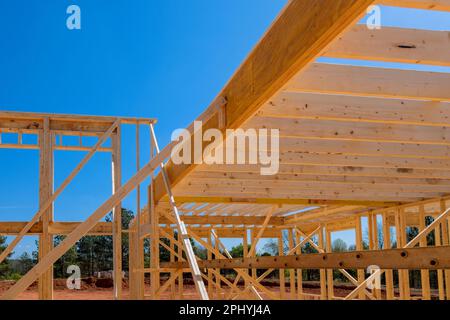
(390, 44)
(441, 5)
(370, 81)
(316, 106)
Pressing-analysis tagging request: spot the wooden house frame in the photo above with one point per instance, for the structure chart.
(357, 144)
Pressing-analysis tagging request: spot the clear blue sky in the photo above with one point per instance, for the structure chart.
(162, 59)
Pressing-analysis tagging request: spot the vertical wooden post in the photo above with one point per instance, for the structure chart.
(359, 247)
(299, 271)
(291, 271)
(330, 278)
(45, 281)
(440, 273)
(445, 242)
(323, 280)
(403, 275)
(424, 274)
(117, 213)
(398, 237)
(374, 244)
(253, 237)
(389, 275)
(245, 251)
(218, 282)
(172, 259)
(282, 277)
(154, 246)
(404, 242)
(210, 275)
(134, 273)
(181, 276)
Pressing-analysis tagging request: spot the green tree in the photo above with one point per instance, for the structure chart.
(4, 266)
(339, 245)
(238, 251)
(25, 263)
(69, 258)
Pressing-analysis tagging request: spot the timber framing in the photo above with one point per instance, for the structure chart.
(423, 258)
(363, 149)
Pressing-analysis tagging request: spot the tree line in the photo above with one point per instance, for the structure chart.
(95, 253)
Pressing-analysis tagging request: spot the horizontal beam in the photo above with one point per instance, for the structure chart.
(13, 122)
(369, 81)
(291, 185)
(316, 106)
(310, 190)
(37, 117)
(55, 147)
(366, 148)
(330, 195)
(55, 228)
(345, 168)
(353, 131)
(295, 201)
(392, 45)
(226, 220)
(211, 176)
(441, 5)
(417, 258)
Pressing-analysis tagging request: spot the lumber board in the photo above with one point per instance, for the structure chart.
(441, 5)
(371, 81)
(347, 168)
(390, 44)
(317, 106)
(10, 228)
(356, 131)
(292, 185)
(430, 258)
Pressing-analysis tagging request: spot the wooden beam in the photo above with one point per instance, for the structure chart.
(353, 131)
(387, 244)
(287, 48)
(441, 5)
(392, 45)
(424, 274)
(316, 106)
(116, 166)
(227, 220)
(261, 231)
(46, 181)
(306, 202)
(54, 228)
(250, 178)
(369, 81)
(429, 258)
(342, 167)
(318, 191)
(33, 121)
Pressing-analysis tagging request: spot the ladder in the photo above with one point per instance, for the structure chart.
(182, 232)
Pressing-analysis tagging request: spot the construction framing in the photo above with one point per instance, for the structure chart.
(358, 146)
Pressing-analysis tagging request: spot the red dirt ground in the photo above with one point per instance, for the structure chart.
(91, 292)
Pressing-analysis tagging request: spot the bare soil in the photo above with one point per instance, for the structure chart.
(99, 289)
